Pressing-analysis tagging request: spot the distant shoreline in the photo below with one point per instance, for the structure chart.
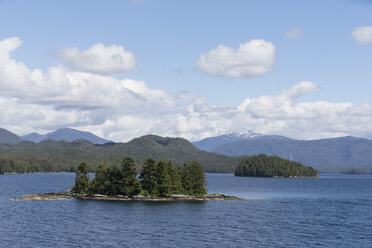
(46, 172)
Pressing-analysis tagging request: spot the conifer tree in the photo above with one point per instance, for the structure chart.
(81, 179)
(114, 178)
(176, 177)
(164, 178)
(100, 183)
(149, 176)
(193, 179)
(129, 185)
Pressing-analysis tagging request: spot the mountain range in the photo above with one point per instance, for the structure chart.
(66, 147)
(343, 154)
(65, 134)
(211, 143)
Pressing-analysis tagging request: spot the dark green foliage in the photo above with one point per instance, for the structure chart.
(164, 178)
(149, 176)
(128, 184)
(273, 166)
(100, 183)
(114, 178)
(82, 179)
(157, 178)
(193, 179)
(176, 177)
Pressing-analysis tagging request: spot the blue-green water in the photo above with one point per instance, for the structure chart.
(330, 211)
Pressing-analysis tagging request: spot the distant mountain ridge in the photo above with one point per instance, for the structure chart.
(327, 155)
(209, 144)
(8, 138)
(65, 134)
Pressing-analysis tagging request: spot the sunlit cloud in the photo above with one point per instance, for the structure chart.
(252, 59)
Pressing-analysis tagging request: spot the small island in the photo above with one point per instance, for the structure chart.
(273, 166)
(158, 181)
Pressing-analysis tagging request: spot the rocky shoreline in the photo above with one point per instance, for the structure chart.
(69, 195)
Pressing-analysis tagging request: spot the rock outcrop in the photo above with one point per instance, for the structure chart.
(69, 194)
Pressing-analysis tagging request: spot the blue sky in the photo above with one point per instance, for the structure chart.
(168, 40)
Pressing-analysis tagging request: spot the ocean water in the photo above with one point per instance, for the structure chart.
(329, 211)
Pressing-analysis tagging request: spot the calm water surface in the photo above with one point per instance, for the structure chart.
(330, 211)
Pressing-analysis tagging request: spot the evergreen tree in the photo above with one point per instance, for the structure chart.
(100, 183)
(149, 176)
(129, 185)
(81, 179)
(164, 178)
(193, 179)
(176, 177)
(114, 178)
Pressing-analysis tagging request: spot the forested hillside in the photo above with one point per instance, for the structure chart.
(49, 155)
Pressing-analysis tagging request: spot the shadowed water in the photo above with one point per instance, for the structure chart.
(333, 211)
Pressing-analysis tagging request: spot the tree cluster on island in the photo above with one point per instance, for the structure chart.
(273, 166)
(157, 178)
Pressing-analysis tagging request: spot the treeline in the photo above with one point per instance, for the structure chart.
(157, 178)
(11, 165)
(273, 166)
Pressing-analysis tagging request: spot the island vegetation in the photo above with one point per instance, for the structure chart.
(157, 181)
(273, 166)
(157, 178)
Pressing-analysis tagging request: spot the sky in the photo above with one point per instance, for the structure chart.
(192, 69)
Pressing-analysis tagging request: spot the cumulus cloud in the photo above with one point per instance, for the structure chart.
(363, 35)
(99, 59)
(65, 88)
(42, 101)
(251, 59)
(294, 33)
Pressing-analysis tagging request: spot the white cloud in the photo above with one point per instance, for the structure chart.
(251, 59)
(64, 88)
(363, 35)
(294, 33)
(99, 59)
(34, 100)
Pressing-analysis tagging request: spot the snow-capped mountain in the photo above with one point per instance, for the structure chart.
(209, 144)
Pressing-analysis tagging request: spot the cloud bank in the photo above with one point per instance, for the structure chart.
(252, 59)
(119, 110)
(363, 35)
